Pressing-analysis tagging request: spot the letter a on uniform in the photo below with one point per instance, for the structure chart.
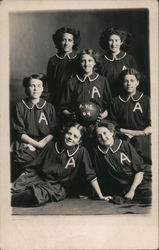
(43, 118)
(95, 91)
(123, 68)
(137, 107)
(71, 162)
(123, 158)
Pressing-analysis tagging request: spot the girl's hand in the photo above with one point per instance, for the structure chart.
(130, 136)
(32, 148)
(45, 140)
(130, 194)
(101, 116)
(41, 144)
(69, 115)
(148, 131)
(106, 198)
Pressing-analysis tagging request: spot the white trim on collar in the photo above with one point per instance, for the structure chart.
(89, 77)
(113, 151)
(57, 149)
(65, 56)
(132, 97)
(34, 105)
(103, 152)
(115, 58)
(68, 154)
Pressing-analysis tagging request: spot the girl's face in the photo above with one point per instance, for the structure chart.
(87, 63)
(67, 42)
(35, 88)
(104, 137)
(114, 43)
(72, 137)
(130, 84)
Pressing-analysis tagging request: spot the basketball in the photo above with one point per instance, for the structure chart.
(87, 112)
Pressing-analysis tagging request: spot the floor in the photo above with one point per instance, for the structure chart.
(83, 207)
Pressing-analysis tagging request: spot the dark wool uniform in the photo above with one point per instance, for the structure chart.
(133, 113)
(116, 168)
(94, 88)
(60, 68)
(35, 120)
(53, 172)
(111, 68)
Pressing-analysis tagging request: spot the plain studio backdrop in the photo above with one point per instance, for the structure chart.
(31, 43)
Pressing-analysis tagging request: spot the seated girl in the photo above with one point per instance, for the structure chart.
(50, 176)
(120, 170)
(116, 43)
(87, 86)
(131, 112)
(34, 121)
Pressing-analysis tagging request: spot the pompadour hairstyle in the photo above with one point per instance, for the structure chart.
(130, 71)
(107, 124)
(59, 34)
(126, 38)
(39, 76)
(65, 128)
(93, 54)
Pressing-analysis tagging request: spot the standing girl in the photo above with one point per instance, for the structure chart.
(34, 121)
(61, 66)
(115, 42)
(50, 176)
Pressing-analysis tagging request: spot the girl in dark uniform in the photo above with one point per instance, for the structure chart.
(49, 177)
(115, 42)
(119, 168)
(131, 112)
(34, 121)
(61, 66)
(86, 86)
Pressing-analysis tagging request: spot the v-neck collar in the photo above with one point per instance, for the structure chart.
(114, 148)
(70, 152)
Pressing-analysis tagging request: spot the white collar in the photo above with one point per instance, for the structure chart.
(31, 105)
(66, 55)
(68, 153)
(91, 78)
(116, 57)
(136, 97)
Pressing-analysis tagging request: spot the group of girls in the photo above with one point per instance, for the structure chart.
(56, 154)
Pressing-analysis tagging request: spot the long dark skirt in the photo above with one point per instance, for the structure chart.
(43, 190)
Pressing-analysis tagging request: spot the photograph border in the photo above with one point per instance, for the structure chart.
(74, 232)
